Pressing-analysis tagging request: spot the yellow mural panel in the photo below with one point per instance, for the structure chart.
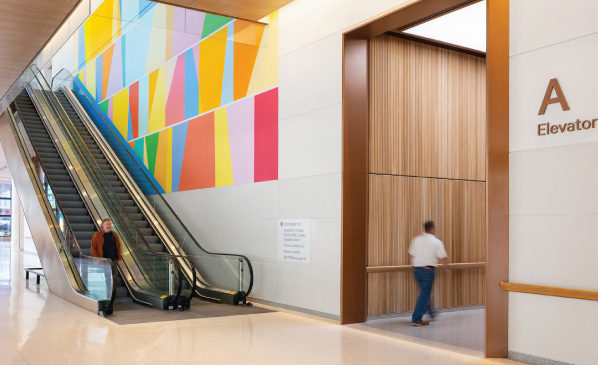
(224, 167)
(163, 171)
(120, 112)
(90, 78)
(265, 71)
(212, 52)
(101, 27)
(157, 117)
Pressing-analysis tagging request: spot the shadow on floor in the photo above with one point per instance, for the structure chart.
(127, 312)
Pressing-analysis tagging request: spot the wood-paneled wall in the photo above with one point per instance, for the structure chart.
(427, 110)
(398, 206)
(427, 140)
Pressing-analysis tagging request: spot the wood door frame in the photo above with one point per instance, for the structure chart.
(355, 160)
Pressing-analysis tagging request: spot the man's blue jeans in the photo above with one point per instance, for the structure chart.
(425, 279)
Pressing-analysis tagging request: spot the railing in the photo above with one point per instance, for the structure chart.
(550, 291)
(453, 266)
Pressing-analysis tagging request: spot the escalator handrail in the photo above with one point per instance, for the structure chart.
(55, 104)
(67, 223)
(250, 267)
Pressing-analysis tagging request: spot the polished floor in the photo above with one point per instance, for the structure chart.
(37, 327)
(459, 330)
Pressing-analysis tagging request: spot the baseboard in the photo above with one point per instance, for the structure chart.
(534, 360)
(296, 309)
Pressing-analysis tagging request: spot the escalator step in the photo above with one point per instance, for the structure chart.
(60, 177)
(70, 197)
(74, 211)
(146, 232)
(80, 219)
(156, 247)
(73, 204)
(81, 227)
(63, 184)
(84, 235)
(152, 239)
(128, 203)
(53, 166)
(53, 160)
(139, 223)
(132, 209)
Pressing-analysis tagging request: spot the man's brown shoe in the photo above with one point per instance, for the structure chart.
(420, 323)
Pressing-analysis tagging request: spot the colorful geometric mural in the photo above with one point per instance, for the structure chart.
(194, 94)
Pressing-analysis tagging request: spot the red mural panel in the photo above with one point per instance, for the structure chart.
(199, 162)
(266, 136)
(134, 108)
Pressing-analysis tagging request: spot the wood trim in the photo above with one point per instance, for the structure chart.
(453, 266)
(405, 15)
(354, 181)
(550, 291)
(497, 185)
(437, 43)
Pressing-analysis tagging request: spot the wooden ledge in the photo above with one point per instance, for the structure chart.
(455, 266)
(550, 291)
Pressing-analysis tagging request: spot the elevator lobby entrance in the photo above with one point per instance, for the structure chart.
(424, 104)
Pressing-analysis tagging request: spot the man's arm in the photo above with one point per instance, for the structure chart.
(94, 246)
(411, 259)
(444, 262)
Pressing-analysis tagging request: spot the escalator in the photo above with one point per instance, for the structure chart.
(73, 208)
(223, 278)
(79, 196)
(114, 180)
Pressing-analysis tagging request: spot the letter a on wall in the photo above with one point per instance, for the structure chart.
(560, 97)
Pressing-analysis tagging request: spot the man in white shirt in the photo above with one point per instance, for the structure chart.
(426, 251)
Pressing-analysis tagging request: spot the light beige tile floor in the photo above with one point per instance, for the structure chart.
(37, 327)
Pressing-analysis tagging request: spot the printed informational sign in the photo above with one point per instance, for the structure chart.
(293, 240)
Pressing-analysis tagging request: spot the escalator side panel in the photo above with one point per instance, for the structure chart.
(40, 220)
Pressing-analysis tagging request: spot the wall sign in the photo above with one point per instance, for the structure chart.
(294, 240)
(545, 129)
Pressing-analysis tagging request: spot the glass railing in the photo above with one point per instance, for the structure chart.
(90, 276)
(156, 274)
(221, 272)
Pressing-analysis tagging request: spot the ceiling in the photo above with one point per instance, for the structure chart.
(465, 27)
(25, 27)
(241, 9)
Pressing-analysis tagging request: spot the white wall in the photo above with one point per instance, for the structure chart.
(243, 219)
(553, 179)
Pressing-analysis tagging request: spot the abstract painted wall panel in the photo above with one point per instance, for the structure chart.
(194, 94)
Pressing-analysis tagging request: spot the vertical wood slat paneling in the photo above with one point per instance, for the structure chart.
(427, 111)
(398, 206)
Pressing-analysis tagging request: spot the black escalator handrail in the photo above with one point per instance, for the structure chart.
(166, 203)
(66, 222)
(62, 114)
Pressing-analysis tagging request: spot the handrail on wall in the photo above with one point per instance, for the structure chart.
(550, 291)
(454, 266)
